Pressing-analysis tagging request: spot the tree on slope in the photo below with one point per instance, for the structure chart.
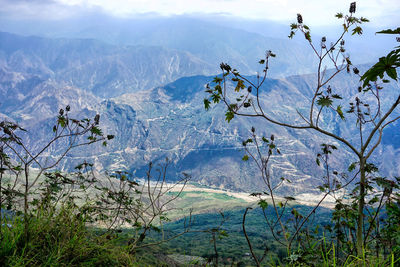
(242, 97)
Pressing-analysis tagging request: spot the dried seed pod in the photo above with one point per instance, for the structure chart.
(352, 7)
(97, 119)
(299, 19)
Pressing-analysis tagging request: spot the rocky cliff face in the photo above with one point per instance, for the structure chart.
(171, 122)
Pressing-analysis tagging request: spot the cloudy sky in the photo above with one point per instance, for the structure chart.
(316, 12)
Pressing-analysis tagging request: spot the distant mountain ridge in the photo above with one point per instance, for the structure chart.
(213, 38)
(105, 70)
(210, 42)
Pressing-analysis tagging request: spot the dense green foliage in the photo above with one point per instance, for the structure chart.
(58, 239)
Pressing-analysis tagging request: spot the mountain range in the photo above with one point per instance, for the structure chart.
(149, 93)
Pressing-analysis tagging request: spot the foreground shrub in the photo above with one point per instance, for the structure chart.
(59, 239)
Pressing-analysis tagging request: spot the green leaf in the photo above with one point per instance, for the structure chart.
(373, 200)
(339, 15)
(295, 213)
(217, 79)
(357, 30)
(340, 112)
(17, 168)
(324, 101)
(229, 115)
(240, 85)
(95, 130)
(245, 158)
(216, 98)
(249, 141)
(272, 146)
(386, 64)
(61, 121)
(392, 73)
(336, 96)
(370, 168)
(222, 234)
(155, 228)
(352, 166)
(263, 204)
(207, 104)
(233, 107)
(218, 89)
(307, 35)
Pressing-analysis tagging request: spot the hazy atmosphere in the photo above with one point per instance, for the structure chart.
(316, 12)
(199, 133)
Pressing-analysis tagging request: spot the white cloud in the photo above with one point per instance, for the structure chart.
(316, 12)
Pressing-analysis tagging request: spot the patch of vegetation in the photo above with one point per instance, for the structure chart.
(205, 195)
(233, 246)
